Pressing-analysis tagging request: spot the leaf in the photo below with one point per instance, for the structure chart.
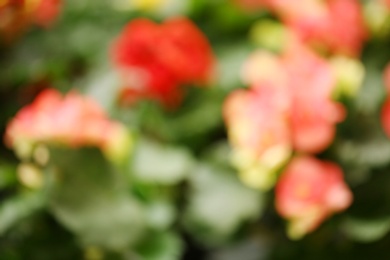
(7, 175)
(161, 246)
(18, 208)
(230, 61)
(219, 203)
(363, 230)
(103, 86)
(155, 163)
(219, 154)
(160, 214)
(249, 249)
(90, 198)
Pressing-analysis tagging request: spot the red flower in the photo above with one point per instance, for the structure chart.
(308, 192)
(46, 12)
(155, 60)
(74, 121)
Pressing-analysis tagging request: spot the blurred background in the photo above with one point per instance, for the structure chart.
(151, 144)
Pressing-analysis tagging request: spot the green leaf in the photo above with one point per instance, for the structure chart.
(90, 198)
(218, 154)
(160, 214)
(230, 62)
(219, 203)
(161, 246)
(155, 163)
(364, 230)
(7, 175)
(252, 248)
(18, 208)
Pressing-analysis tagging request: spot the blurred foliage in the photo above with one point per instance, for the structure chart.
(178, 198)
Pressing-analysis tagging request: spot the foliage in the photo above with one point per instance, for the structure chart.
(190, 161)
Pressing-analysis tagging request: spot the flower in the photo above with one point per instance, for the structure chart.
(308, 81)
(313, 112)
(317, 23)
(156, 60)
(17, 15)
(46, 12)
(257, 123)
(308, 192)
(73, 121)
(288, 107)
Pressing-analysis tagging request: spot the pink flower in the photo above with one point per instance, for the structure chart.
(288, 107)
(313, 112)
(257, 123)
(156, 60)
(72, 120)
(308, 81)
(308, 192)
(261, 113)
(336, 26)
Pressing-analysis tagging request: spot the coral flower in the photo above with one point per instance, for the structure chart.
(156, 60)
(72, 120)
(308, 192)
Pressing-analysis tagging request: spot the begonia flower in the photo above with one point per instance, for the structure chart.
(313, 112)
(308, 192)
(309, 81)
(73, 121)
(335, 26)
(257, 123)
(156, 60)
(288, 107)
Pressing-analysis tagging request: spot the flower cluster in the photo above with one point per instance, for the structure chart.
(156, 60)
(16, 15)
(73, 121)
(288, 108)
(318, 23)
